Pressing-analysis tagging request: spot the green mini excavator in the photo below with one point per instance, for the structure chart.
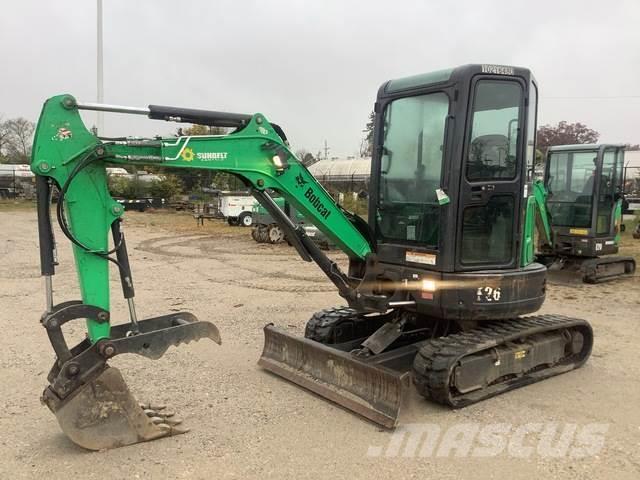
(438, 279)
(583, 196)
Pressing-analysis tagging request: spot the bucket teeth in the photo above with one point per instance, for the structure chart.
(91, 400)
(171, 430)
(152, 406)
(164, 420)
(103, 414)
(158, 413)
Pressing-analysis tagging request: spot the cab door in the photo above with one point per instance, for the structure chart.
(608, 190)
(492, 173)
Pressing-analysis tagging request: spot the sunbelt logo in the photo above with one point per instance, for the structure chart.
(188, 155)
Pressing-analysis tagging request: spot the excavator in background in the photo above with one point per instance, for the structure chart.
(582, 195)
(267, 230)
(438, 279)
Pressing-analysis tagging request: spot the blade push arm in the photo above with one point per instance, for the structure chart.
(75, 159)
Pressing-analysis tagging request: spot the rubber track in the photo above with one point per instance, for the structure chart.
(436, 360)
(592, 275)
(320, 325)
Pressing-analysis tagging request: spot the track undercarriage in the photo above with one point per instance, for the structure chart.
(365, 363)
(592, 270)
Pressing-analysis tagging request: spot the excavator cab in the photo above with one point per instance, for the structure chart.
(452, 161)
(585, 199)
(584, 185)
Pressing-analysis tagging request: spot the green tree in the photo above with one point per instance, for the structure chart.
(366, 146)
(126, 187)
(167, 187)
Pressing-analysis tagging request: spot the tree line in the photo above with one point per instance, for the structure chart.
(16, 137)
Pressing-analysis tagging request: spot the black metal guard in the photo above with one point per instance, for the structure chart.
(201, 117)
(45, 232)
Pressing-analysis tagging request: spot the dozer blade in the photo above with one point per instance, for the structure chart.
(373, 391)
(103, 414)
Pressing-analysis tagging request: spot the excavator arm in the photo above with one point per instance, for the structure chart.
(66, 152)
(536, 219)
(71, 158)
(542, 216)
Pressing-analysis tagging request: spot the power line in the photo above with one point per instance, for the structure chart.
(594, 97)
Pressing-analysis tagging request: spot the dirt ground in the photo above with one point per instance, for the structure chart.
(247, 423)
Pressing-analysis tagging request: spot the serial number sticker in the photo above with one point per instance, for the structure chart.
(520, 354)
(579, 231)
(497, 69)
(419, 257)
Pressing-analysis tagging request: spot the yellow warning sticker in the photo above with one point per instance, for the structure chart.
(520, 354)
(579, 231)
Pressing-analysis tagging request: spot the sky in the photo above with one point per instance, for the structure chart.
(315, 67)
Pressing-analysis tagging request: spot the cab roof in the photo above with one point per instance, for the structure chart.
(585, 146)
(450, 74)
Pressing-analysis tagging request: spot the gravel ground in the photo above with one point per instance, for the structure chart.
(247, 423)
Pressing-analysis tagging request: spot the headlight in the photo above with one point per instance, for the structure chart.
(277, 161)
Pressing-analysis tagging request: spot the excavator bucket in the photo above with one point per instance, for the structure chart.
(91, 400)
(373, 391)
(103, 414)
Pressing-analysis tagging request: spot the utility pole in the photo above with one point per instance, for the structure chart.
(326, 150)
(100, 89)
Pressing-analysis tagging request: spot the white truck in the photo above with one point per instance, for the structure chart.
(16, 181)
(236, 209)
